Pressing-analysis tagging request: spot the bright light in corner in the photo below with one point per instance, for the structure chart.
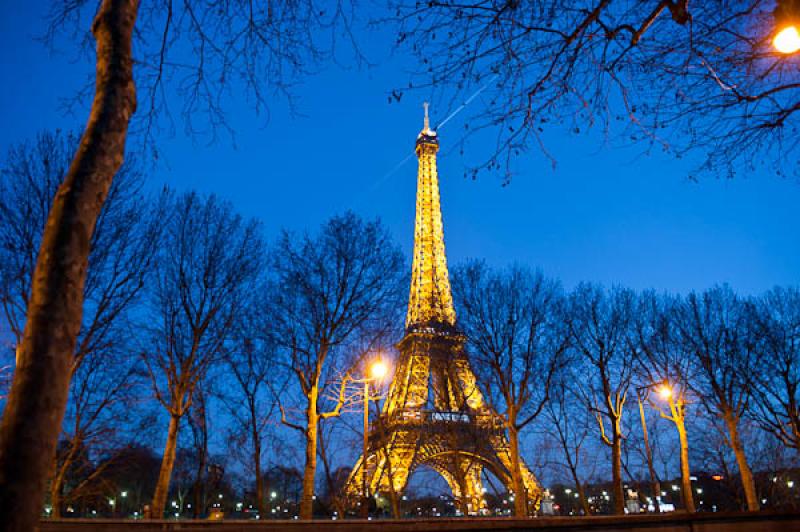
(787, 41)
(378, 370)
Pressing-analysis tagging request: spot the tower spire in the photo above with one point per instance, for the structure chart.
(430, 301)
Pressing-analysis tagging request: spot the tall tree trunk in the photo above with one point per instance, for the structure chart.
(261, 502)
(579, 488)
(55, 499)
(56, 487)
(520, 493)
(38, 397)
(748, 484)
(310, 469)
(616, 469)
(167, 462)
(686, 479)
(582, 495)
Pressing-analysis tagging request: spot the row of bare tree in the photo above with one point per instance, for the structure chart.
(182, 291)
(704, 361)
(184, 297)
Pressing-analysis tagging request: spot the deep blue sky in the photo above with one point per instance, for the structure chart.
(605, 214)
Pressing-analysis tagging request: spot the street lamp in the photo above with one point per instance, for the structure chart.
(665, 391)
(676, 401)
(375, 372)
(787, 19)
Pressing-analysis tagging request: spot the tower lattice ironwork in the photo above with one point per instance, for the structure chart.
(434, 414)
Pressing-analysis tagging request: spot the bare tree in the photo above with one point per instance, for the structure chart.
(517, 335)
(341, 284)
(571, 426)
(714, 331)
(252, 360)
(270, 46)
(776, 386)
(676, 74)
(121, 251)
(208, 263)
(600, 324)
(666, 370)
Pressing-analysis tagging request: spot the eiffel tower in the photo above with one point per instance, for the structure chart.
(434, 414)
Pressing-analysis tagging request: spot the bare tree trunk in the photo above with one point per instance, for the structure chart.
(582, 495)
(162, 487)
(686, 480)
(393, 498)
(261, 503)
(520, 493)
(57, 484)
(55, 498)
(616, 469)
(309, 472)
(37, 400)
(748, 484)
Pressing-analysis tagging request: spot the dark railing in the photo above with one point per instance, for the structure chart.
(675, 522)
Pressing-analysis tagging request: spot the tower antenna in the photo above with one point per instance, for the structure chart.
(426, 126)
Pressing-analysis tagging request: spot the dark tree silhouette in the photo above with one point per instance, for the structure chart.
(342, 284)
(122, 249)
(269, 45)
(776, 386)
(517, 335)
(679, 75)
(714, 331)
(663, 364)
(252, 360)
(208, 263)
(600, 324)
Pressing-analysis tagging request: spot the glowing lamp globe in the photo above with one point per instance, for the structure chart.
(665, 392)
(378, 370)
(787, 41)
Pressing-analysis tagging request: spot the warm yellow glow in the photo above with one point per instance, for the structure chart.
(378, 370)
(416, 381)
(787, 41)
(430, 299)
(665, 391)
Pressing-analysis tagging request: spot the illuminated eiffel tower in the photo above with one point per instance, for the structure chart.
(434, 414)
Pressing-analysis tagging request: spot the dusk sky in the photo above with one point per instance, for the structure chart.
(606, 213)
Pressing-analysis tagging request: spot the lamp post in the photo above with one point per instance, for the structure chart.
(787, 34)
(377, 370)
(676, 401)
(654, 483)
